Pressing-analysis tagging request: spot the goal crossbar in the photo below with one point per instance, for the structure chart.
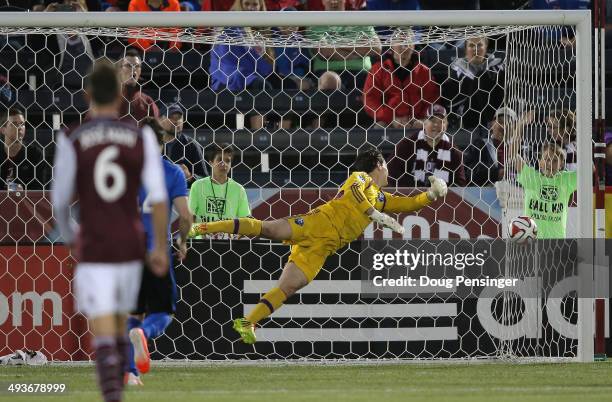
(300, 18)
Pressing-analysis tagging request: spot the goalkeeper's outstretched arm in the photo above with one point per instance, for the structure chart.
(397, 204)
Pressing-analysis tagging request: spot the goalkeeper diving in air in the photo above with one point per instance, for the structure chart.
(321, 232)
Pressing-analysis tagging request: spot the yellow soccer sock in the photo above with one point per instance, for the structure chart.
(244, 226)
(267, 305)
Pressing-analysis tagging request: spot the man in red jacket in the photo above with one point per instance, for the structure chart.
(399, 90)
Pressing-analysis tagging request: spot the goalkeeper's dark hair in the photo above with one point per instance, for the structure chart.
(368, 160)
(156, 127)
(217, 149)
(103, 83)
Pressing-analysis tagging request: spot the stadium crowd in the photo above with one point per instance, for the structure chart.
(446, 100)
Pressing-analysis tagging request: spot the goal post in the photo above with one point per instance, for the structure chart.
(284, 171)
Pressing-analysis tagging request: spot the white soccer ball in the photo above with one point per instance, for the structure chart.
(522, 229)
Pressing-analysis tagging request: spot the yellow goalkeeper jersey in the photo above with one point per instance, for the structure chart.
(347, 211)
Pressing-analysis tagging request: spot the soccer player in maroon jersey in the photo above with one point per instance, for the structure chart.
(104, 162)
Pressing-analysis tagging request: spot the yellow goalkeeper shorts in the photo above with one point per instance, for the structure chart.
(313, 239)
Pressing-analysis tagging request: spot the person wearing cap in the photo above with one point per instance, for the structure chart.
(429, 152)
(135, 105)
(484, 156)
(181, 149)
(474, 89)
(399, 89)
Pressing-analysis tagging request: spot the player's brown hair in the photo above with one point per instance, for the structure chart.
(368, 160)
(217, 149)
(103, 84)
(4, 117)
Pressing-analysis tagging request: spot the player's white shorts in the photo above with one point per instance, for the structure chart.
(107, 288)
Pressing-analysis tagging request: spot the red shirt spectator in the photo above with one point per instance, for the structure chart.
(135, 105)
(154, 5)
(399, 89)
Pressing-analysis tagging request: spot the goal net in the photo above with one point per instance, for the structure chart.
(297, 104)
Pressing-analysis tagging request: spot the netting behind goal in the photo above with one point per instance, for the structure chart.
(297, 130)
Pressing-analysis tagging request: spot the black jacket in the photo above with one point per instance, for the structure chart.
(474, 93)
(480, 158)
(28, 168)
(184, 150)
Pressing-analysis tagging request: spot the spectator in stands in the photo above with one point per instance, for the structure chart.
(561, 126)
(135, 105)
(484, 156)
(348, 66)
(430, 152)
(181, 149)
(154, 5)
(399, 89)
(474, 90)
(291, 64)
(237, 67)
(218, 197)
(66, 58)
(22, 167)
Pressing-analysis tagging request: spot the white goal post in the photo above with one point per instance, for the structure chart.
(449, 25)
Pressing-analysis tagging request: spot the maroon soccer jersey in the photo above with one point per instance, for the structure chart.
(109, 158)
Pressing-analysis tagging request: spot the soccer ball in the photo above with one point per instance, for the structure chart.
(522, 229)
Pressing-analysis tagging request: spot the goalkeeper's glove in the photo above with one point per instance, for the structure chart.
(387, 221)
(196, 230)
(438, 188)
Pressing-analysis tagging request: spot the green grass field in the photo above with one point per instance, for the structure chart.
(490, 382)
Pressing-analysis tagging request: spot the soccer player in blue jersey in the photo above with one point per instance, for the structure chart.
(157, 296)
